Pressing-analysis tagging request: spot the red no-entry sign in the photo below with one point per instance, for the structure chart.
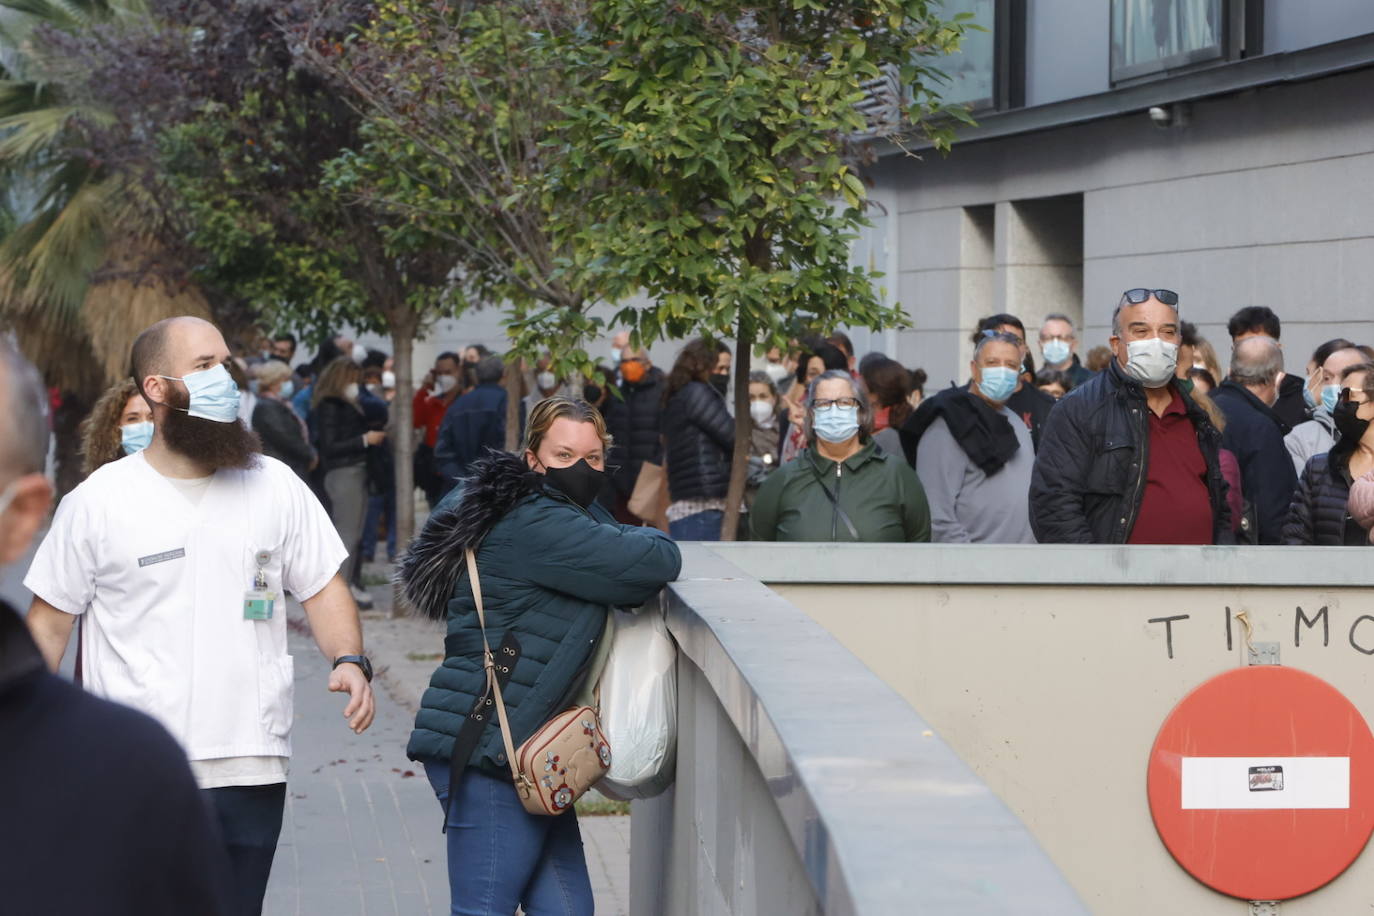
(1261, 783)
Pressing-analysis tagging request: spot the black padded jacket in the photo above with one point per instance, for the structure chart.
(1318, 515)
(700, 435)
(1090, 469)
(633, 422)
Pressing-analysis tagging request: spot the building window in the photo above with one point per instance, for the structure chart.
(987, 72)
(1152, 36)
(972, 69)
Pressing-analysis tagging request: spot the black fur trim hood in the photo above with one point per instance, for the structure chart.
(435, 559)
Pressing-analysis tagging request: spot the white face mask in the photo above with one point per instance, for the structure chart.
(443, 384)
(388, 379)
(777, 372)
(547, 381)
(1151, 362)
(762, 412)
(351, 391)
(359, 353)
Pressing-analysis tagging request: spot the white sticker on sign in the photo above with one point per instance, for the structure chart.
(1266, 782)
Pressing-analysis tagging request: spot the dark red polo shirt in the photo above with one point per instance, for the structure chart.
(1176, 508)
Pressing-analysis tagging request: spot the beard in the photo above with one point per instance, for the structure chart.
(210, 444)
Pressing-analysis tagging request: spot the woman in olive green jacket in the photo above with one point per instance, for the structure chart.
(841, 487)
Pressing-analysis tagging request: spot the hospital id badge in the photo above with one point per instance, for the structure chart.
(258, 604)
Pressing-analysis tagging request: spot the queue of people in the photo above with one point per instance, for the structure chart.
(206, 513)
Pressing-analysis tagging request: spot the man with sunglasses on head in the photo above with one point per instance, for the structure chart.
(1128, 457)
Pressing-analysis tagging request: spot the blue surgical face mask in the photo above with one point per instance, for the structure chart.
(214, 396)
(1055, 351)
(996, 383)
(135, 437)
(1330, 395)
(836, 424)
(288, 388)
(1307, 397)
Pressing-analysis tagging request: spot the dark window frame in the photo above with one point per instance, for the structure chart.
(1239, 36)
(1008, 60)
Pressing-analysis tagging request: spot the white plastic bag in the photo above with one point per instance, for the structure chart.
(639, 706)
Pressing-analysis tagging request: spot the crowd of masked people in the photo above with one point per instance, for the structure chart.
(1143, 440)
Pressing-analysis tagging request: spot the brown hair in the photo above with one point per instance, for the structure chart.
(544, 414)
(695, 363)
(337, 376)
(889, 384)
(101, 440)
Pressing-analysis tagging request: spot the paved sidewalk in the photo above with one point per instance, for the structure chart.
(362, 828)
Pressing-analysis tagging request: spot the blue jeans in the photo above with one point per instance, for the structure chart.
(250, 822)
(703, 526)
(379, 507)
(501, 856)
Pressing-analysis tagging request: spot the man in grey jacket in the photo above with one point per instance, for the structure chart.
(974, 456)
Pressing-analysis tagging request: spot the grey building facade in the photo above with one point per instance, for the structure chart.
(1220, 148)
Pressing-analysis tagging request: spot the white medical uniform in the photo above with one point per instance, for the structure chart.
(159, 570)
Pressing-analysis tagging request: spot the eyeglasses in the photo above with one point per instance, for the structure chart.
(823, 403)
(1139, 295)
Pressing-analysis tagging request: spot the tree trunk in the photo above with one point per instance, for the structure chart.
(402, 325)
(739, 464)
(515, 391)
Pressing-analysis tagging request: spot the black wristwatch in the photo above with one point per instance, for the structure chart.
(359, 660)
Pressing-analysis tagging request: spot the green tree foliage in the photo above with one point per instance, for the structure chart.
(462, 103)
(718, 133)
(240, 143)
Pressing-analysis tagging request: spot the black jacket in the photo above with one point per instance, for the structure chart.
(1290, 408)
(381, 464)
(1318, 514)
(283, 435)
(700, 436)
(101, 814)
(1254, 434)
(633, 422)
(984, 434)
(339, 431)
(1090, 470)
(473, 425)
(1033, 406)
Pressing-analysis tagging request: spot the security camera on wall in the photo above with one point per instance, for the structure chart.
(1165, 116)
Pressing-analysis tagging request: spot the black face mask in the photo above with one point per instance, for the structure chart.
(721, 383)
(579, 482)
(1348, 422)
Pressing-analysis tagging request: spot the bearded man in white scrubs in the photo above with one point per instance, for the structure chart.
(176, 559)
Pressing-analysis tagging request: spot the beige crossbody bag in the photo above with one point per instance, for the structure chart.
(564, 758)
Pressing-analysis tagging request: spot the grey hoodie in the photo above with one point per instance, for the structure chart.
(1315, 437)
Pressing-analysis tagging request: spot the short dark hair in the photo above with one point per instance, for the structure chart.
(149, 353)
(1254, 318)
(841, 340)
(288, 338)
(1187, 334)
(490, 369)
(449, 355)
(1367, 368)
(993, 322)
(1320, 355)
(832, 358)
(1054, 377)
(375, 358)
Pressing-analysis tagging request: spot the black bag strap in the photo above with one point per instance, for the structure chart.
(470, 733)
(834, 501)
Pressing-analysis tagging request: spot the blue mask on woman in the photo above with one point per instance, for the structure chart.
(996, 383)
(836, 423)
(1330, 395)
(214, 396)
(288, 388)
(135, 437)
